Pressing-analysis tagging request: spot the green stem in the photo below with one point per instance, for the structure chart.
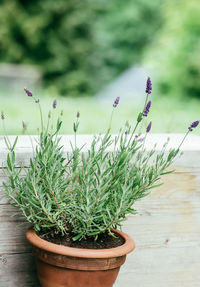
(47, 125)
(52, 121)
(143, 146)
(135, 127)
(145, 103)
(41, 118)
(183, 140)
(111, 117)
(75, 139)
(133, 133)
(146, 100)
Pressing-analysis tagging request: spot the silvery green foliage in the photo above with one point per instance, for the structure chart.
(107, 184)
(84, 193)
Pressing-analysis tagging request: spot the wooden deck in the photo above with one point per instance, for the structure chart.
(166, 229)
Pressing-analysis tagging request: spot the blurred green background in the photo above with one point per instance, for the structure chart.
(85, 53)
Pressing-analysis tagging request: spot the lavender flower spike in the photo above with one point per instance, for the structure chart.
(116, 102)
(193, 125)
(146, 111)
(148, 86)
(148, 127)
(54, 104)
(28, 92)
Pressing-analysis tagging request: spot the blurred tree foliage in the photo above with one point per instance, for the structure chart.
(177, 54)
(124, 29)
(80, 45)
(53, 34)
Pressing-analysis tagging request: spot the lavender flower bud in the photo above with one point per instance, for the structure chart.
(2, 116)
(116, 102)
(148, 127)
(78, 115)
(146, 111)
(54, 104)
(193, 125)
(148, 86)
(28, 92)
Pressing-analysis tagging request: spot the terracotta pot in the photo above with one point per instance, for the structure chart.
(62, 266)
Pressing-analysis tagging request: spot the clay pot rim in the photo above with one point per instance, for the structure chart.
(121, 250)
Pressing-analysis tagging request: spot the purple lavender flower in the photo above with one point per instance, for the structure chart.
(146, 111)
(193, 125)
(28, 92)
(148, 127)
(2, 116)
(148, 86)
(116, 102)
(54, 104)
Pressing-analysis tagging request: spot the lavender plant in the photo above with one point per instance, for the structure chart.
(86, 194)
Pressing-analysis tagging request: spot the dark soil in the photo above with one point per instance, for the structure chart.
(104, 241)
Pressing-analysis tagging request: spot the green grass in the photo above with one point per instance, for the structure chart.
(167, 114)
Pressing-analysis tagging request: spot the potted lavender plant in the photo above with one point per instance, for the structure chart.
(76, 202)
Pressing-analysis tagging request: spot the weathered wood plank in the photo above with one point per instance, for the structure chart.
(163, 267)
(18, 270)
